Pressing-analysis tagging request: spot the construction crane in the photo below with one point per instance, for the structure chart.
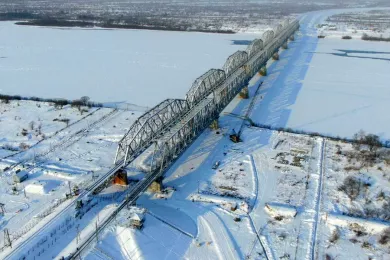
(235, 137)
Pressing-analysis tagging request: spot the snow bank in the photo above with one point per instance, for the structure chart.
(280, 209)
(42, 187)
(345, 221)
(230, 203)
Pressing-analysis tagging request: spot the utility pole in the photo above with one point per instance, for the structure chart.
(70, 190)
(78, 237)
(7, 239)
(96, 227)
(2, 209)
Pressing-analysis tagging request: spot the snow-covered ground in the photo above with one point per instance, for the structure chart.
(134, 66)
(67, 156)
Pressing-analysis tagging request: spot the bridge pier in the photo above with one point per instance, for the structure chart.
(275, 56)
(214, 125)
(247, 69)
(263, 71)
(285, 46)
(156, 186)
(120, 178)
(244, 94)
(292, 38)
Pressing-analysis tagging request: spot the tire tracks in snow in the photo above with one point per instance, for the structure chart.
(218, 231)
(318, 200)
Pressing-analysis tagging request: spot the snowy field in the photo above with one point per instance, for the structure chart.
(134, 66)
(69, 155)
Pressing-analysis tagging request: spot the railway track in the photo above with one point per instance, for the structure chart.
(72, 139)
(59, 131)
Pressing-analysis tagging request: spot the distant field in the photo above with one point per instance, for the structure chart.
(135, 66)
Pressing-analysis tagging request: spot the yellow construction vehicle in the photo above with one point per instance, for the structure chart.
(235, 137)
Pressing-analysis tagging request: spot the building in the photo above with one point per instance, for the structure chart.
(137, 220)
(20, 176)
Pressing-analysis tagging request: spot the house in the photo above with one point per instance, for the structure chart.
(137, 221)
(20, 176)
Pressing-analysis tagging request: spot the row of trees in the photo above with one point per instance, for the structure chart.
(59, 103)
(367, 37)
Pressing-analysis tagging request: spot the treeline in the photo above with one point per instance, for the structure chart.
(113, 25)
(367, 37)
(360, 138)
(58, 102)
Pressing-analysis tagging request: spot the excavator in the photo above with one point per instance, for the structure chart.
(235, 137)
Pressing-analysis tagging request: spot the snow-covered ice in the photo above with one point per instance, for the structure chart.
(135, 66)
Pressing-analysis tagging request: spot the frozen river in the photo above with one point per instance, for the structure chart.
(134, 66)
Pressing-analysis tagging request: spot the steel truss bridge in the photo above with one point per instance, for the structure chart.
(171, 126)
(174, 123)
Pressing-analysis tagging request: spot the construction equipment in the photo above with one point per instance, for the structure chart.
(234, 137)
(251, 123)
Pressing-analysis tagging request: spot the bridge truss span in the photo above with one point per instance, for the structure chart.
(255, 47)
(267, 36)
(204, 85)
(235, 61)
(180, 136)
(149, 126)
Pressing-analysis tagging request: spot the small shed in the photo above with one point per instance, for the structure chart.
(20, 176)
(137, 220)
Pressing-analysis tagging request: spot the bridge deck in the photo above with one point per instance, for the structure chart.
(187, 117)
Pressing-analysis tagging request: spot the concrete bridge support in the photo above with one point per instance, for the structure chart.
(244, 93)
(214, 125)
(263, 71)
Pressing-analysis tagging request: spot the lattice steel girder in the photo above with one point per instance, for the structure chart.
(230, 89)
(149, 125)
(285, 23)
(267, 37)
(255, 47)
(235, 61)
(204, 85)
(182, 134)
(278, 30)
(256, 62)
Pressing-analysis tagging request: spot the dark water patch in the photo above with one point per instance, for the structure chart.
(346, 54)
(360, 57)
(363, 52)
(241, 42)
